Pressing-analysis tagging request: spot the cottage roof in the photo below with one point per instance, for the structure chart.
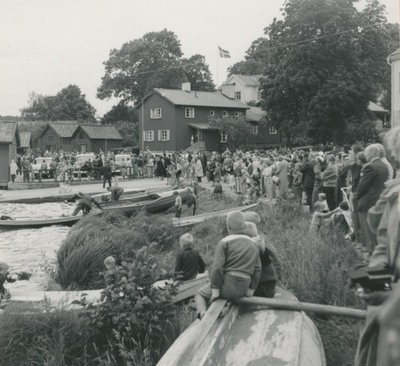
(98, 132)
(7, 131)
(250, 80)
(395, 55)
(199, 98)
(25, 139)
(373, 107)
(255, 114)
(64, 130)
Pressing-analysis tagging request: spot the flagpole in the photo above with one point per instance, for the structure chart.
(217, 65)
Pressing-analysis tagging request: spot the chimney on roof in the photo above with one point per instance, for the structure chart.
(186, 86)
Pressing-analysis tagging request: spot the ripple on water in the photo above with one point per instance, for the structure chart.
(30, 249)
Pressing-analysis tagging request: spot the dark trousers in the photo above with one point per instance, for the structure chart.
(106, 179)
(309, 192)
(330, 197)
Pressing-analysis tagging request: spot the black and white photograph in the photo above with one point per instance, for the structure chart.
(199, 183)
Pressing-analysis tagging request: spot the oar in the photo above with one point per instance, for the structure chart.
(304, 306)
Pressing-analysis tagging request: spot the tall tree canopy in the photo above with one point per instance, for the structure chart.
(255, 58)
(322, 64)
(153, 61)
(198, 73)
(68, 104)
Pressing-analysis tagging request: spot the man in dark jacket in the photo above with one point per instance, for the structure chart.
(107, 173)
(85, 203)
(308, 177)
(372, 183)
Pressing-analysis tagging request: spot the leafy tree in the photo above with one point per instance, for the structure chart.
(68, 104)
(237, 129)
(198, 73)
(320, 68)
(254, 61)
(152, 61)
(120, 112)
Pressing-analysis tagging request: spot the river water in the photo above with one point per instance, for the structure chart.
(32, 250)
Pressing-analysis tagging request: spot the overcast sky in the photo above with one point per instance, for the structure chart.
(45, 45)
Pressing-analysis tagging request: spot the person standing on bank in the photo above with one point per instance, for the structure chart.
(13, 170)
(107, 174)
(372, 183)
(329, 181)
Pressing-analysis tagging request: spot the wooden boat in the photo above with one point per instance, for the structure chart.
(153, 203)
(192, 220)
(63, 197)
(67, 300)
(248, 335)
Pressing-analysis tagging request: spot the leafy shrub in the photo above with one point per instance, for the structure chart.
(133, 315)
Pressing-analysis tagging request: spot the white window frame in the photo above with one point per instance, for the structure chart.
(148, 135)
(273, 130)
(253, 129)
(189, 112)
(225, 114)
(238, 94)
(212, 113)
(156, 113)
(224, 137)
(164, 135)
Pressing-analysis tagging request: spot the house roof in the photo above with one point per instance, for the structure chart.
(373, 107)
(25, 139)
(7, 131)
(250, 80)
(198, 98)
(395, 55)
(65, 130)
(255, 114)
(97, 132)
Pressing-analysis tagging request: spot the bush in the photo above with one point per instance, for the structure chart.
(134, 315)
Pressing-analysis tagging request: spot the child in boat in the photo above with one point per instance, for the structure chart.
(115, 192)
(5, 275)
(188, 263)
(270, 249)
(237, 266)
(268, 278)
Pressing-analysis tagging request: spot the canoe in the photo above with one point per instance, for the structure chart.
(192, 220)
(150, 204)
(248, 335)
(68, 300)
(62, 197)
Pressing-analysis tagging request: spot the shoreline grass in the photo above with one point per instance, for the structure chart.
(314, 268)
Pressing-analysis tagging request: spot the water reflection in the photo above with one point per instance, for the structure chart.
(32, 249)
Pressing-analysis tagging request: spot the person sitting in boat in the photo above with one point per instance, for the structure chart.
(254, 217)
(188, 263)
(5, 275)
(178, 204)
(237, 266)
(268, 278)
(116, 192)
(85, 203)
(191, 200)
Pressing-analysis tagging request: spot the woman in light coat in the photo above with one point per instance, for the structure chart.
(267, 175)
(199, 170)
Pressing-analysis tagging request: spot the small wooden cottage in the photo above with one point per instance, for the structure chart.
(25, 146)
(94, 138)
(9, 140)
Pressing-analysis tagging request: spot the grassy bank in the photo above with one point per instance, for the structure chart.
(314, 268)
